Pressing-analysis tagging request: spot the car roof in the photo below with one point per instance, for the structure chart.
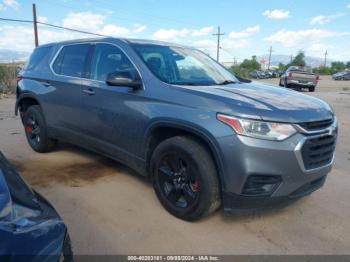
(113, 39)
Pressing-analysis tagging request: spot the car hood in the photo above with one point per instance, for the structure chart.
(256, 100)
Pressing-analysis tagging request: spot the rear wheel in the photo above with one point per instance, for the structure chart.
(285, 84)
(36, 130)
(311, 89)
(185, 178)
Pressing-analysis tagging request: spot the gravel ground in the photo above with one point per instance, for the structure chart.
(111, 210)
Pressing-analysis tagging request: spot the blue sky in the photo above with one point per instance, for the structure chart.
(250, 27)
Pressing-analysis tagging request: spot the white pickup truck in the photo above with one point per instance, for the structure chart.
(300, 77)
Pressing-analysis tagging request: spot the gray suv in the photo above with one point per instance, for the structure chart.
(205, 137)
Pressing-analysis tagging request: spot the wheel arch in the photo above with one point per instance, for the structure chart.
(24, 101)
(161, 131)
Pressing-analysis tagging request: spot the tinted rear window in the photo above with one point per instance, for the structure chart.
(71, 60)
(39, 59)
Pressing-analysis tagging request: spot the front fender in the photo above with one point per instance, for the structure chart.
(194, 129)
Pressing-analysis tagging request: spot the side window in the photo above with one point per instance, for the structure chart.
(39, 59)
(109, 59)
(71, 60)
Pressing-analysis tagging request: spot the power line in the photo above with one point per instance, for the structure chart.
(52, 25)
(72, 29)
(15, 20)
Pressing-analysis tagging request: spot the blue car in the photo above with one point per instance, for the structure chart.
(30, 228)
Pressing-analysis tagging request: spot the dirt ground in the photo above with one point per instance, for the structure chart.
(111, 210)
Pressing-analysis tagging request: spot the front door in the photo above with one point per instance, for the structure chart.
(111, 114)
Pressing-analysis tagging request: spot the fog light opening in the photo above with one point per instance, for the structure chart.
(261, 185)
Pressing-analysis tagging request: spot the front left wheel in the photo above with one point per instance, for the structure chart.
(36, 130)
(185, 178)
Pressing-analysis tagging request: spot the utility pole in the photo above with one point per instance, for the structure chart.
(218, 34)
(291, 58)
(35, 23)
(325, 58)
(270, 51)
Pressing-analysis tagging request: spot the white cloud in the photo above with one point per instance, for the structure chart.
(289, 38)
(139, 28)
(324, 19)
(11, 4)
(319, 47)
(116, 31)
(205, 44)
(170, 34)
(276, 14)
(203, 31)
(42, 19)
(245, 33)
(84, 21)
(20, 37)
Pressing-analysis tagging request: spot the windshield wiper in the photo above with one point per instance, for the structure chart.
(227, 82)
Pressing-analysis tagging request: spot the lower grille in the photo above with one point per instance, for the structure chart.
(309, 187)
(317, 152)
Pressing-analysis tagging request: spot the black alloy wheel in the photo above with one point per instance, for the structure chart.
(178, 180)
(36, 130)
(185, 178)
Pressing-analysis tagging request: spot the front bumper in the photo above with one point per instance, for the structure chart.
(246, 157)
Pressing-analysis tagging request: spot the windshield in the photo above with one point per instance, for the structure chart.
(183, 66)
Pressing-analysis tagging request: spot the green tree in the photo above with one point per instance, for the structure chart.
(251, 64)
(323, 70)
(348, 65)
(338, 66)
(282, 67)
(299, 59)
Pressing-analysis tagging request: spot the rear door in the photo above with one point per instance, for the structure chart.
(69, 68)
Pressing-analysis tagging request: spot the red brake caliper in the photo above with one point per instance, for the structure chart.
(29, 128)
(196, 186)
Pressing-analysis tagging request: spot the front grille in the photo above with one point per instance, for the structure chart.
(317, 152)
(317, 125)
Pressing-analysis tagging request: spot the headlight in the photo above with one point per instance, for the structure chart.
(258, 129)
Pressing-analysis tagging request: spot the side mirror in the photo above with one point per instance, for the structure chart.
(124, 78)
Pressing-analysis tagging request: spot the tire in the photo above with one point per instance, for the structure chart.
(36, 130)
(312, 89)
(285, 84)
(185, 178)
(280, 84)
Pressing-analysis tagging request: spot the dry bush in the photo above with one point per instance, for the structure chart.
(8, 73)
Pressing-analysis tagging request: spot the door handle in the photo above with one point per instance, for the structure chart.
(89, 91)
(46, 83)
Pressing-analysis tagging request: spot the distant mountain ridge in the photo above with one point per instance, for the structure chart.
(285, 59)
(8, 56)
